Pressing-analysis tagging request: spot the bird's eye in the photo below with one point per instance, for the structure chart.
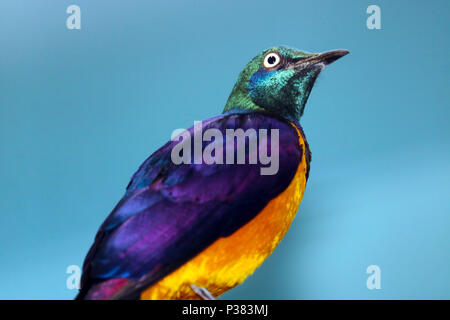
(271, 60)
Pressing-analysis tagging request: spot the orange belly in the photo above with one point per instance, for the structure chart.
(229, 261)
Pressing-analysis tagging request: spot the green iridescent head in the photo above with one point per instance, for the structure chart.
(278, 81)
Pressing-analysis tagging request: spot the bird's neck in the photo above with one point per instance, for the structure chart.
(246, 105)
(240, 101)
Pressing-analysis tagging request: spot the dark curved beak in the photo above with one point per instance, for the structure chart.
(321, 59)
(330, 56)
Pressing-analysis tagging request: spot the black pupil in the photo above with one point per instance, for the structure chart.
(271, 60)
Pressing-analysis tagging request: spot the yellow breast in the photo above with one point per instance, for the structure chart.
(230, 260)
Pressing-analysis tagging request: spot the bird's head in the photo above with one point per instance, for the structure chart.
(278, 81)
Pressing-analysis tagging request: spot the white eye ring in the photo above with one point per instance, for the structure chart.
(271, 60)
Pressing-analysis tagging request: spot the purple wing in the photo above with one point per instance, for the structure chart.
(171, 212)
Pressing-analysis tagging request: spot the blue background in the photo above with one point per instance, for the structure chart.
(81, 109)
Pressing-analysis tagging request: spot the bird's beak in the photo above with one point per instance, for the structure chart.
(320, 59)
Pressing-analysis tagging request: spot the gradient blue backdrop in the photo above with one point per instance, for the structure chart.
(81, 109)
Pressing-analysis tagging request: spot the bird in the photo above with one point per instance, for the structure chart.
(194, 230)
